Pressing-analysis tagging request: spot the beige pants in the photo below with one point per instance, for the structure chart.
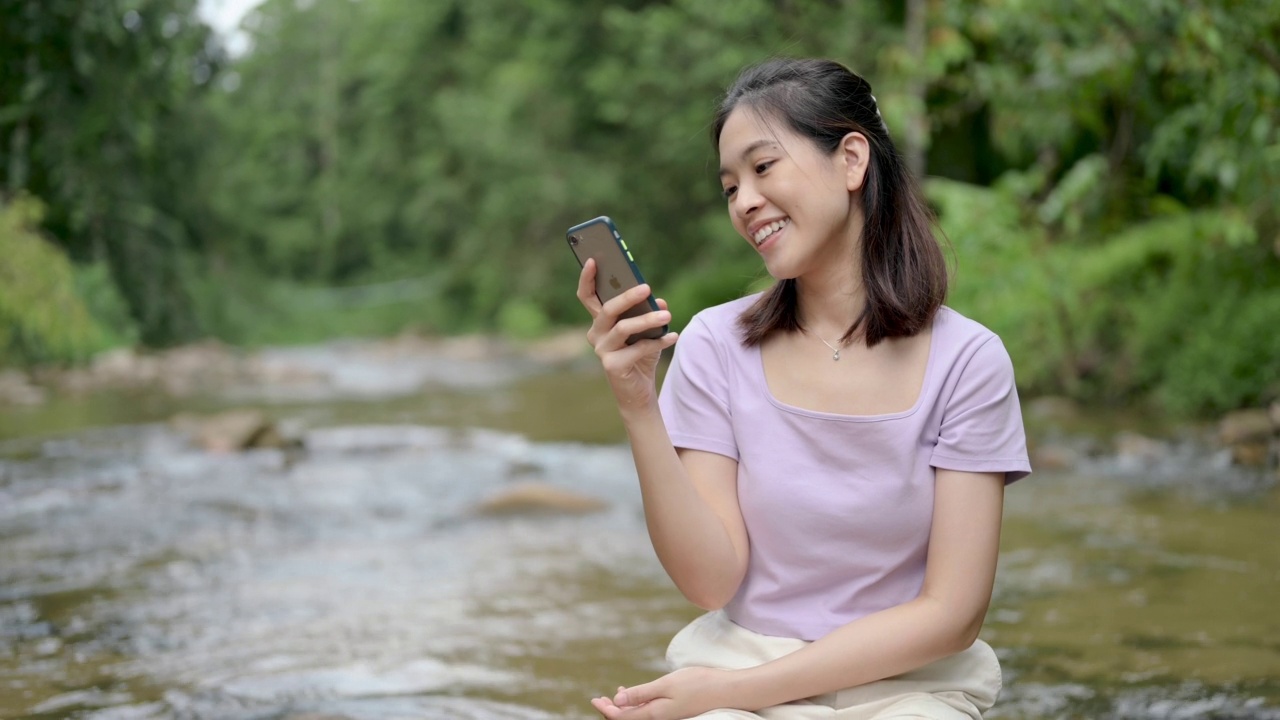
(958, 687)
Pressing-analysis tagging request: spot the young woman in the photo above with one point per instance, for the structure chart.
(824, 469)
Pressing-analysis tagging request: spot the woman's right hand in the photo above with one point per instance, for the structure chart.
(631, 369)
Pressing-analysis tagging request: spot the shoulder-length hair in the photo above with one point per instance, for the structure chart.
(903, 270)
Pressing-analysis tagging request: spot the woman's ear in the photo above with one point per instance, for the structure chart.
(855, 152)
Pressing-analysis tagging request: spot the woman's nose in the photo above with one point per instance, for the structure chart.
(746, 201)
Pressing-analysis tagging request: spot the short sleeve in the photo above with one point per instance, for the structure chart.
(694, 399)
(981, 427)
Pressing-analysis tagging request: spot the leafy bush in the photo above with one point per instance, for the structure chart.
(522, 320)
(248, 308)
(1182, 308)
(43, 317)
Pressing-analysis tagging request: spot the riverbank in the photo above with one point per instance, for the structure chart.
(196, 385)
(344, 369)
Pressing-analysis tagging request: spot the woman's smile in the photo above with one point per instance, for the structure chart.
(766, 234)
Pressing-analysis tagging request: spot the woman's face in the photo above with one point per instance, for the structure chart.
(791, 201)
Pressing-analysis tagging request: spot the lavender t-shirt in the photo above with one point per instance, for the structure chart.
(838, 507)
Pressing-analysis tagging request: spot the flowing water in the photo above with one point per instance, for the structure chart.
(143, 578)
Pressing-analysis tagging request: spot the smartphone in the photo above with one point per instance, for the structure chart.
(616, 270)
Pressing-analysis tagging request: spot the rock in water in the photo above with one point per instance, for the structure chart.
(229, 431)
(1136, 452)
(1054, 456)
(1250, 454)
(16, 388)
(1250, 435)
(535, 498)
(1245, 426)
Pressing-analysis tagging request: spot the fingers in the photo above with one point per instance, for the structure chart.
(610, 711)
(620, 360)
(607, 339)
(622, 699)
(606, 708)
(638, 695)
(608, 333)
(641, 324)
(629, 299)
(587, 287)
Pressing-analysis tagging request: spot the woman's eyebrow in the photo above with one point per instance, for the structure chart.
(747, 151)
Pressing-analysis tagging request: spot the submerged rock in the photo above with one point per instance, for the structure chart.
(1135, 451)
(124, 367)
(16, 389)
(1251, 454)
(536, 498)
(1055, 456)
(1244, 426)
(230, 431)
(1250, 435)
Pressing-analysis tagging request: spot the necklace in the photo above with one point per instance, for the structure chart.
(835, 351)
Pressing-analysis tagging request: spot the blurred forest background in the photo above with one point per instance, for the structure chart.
(1107, 171)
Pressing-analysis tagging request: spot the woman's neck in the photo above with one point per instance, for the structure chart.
(828, 305)
(831, 296)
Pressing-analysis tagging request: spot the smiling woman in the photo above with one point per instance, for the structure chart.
(784, 111)
(834, 504)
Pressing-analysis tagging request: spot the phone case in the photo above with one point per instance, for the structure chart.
(616, 270)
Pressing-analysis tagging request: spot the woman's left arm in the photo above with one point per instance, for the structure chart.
(944, 619)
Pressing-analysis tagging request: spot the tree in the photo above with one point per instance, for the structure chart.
(94, 122)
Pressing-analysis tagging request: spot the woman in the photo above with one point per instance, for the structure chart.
(824, 469)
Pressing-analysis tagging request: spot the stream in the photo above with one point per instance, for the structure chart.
(358, 577)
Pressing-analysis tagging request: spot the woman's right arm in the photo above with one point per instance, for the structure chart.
(690, 497)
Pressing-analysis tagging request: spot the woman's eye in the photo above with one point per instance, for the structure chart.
(761, 167)
(729, 191)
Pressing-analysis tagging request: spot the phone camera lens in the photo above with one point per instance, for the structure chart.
(574, 240)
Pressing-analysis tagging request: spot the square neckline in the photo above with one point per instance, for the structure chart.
(763, 380)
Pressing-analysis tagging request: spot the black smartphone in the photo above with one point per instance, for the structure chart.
(616, 270)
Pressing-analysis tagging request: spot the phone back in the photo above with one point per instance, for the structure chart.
(614, 274)
(616, 270)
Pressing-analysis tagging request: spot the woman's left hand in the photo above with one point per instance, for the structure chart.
(685, 693)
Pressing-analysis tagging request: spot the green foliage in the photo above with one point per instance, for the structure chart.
(1180, 97)
(1176, 307)
(1173, 294)
(373, 166)
(1004, 277)
(470, 135)
(522, 320)
(253, 309)
(96, 288)
(1228, 356)
(42, 316)
(97, 119)
(447, 132)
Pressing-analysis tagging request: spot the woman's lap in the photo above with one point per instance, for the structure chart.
(960, 687)
(912, 707)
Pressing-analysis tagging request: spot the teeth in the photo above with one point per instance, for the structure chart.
(763, 233)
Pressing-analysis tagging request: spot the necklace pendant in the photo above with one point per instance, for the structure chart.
(835, 356)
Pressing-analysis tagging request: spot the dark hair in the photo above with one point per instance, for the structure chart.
(903, 270)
